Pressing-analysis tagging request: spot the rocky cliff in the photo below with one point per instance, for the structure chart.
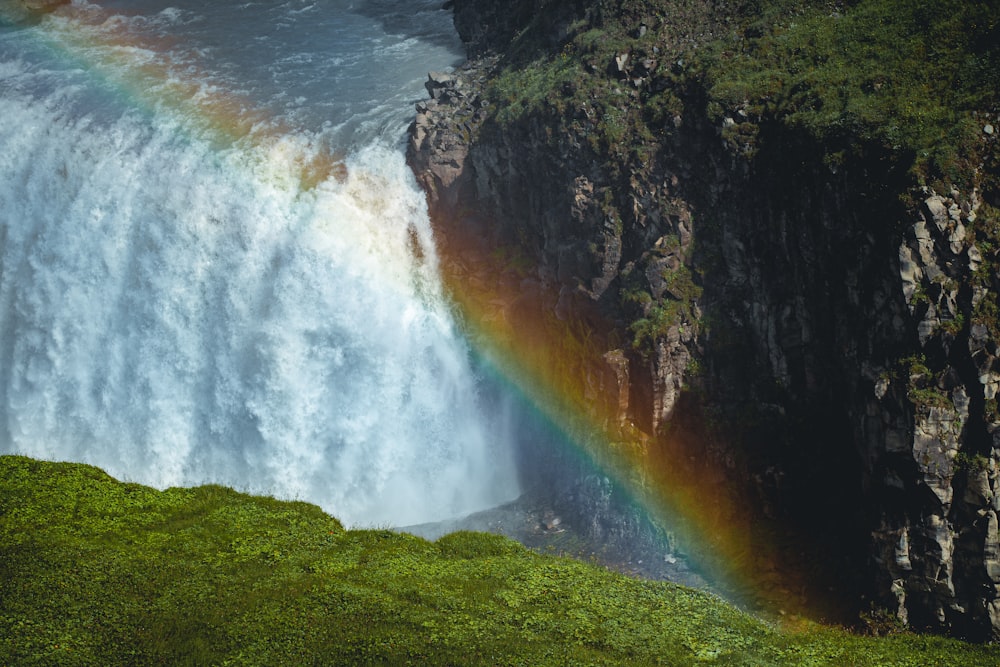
(802, 311)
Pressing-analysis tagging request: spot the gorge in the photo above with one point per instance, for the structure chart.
(777, 293)
(700, 277)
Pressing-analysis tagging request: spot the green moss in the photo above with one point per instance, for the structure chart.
(915, 368)
(654, 326)
(921, 382)
(95, 572)
(953, 326)
(659, 317)
(987, 314)
(902, 75)
(929, 397)
(519, 91)
(990, 410)
(973, 463)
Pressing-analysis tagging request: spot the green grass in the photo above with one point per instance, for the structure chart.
(98, 572)
(900, 74)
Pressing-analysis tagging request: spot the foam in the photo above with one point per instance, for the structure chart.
(185, 300)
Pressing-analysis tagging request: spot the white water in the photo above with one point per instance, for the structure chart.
(177, 308)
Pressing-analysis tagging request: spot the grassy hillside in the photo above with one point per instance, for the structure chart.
(904, 75)
(95, 571)
(911, 81)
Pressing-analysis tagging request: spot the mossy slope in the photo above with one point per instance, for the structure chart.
(905, 76)
(95, 571)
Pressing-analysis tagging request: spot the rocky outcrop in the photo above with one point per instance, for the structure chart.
(936, 544)
(865, 316)
(509, 218)
(440, 137)
(826, 335)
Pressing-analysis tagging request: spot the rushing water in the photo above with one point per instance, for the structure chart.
(216, 267)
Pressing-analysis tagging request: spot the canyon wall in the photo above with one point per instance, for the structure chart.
(823, 331)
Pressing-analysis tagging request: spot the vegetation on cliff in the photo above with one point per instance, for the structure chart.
(907, 76)
(899, 83)
(95, 571)
(907, 85)
(745, 222)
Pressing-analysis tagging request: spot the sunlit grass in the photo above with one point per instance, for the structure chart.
(94, 571)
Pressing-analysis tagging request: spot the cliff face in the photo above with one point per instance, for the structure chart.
(856, 311)
(825, 331)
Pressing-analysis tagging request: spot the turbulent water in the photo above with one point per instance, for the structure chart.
(215, 266)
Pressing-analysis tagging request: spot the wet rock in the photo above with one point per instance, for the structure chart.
(439, 83)
(619, 389)
(553, 524)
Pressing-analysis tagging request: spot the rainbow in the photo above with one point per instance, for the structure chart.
(151, 75)
(552, 363)
(548, 361)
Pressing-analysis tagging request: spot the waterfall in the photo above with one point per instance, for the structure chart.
(187, 299)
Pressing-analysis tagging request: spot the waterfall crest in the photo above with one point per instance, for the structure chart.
(179, 309)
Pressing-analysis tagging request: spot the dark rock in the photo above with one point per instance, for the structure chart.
(845, 356)
(439, 82)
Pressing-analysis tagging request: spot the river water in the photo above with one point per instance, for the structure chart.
(216, 267)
